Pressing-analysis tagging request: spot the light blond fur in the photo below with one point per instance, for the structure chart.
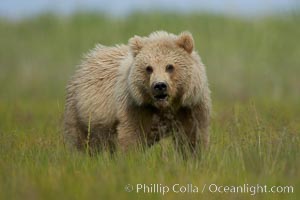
(110, 93)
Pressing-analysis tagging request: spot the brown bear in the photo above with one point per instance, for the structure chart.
(136, 94)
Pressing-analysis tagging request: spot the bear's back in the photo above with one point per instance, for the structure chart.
(94, 83)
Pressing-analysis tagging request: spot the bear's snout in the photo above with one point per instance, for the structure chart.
(160, 86)
(160, 90)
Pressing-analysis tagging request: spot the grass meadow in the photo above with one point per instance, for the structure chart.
(253, 66)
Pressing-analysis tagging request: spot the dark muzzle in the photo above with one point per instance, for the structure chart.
(160, 90)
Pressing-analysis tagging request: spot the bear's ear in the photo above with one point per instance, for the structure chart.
(185, 40)
(136, 43)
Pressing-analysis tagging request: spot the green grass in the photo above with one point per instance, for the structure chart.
(253, 68)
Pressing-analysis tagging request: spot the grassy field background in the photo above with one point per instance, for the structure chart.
(253, 67)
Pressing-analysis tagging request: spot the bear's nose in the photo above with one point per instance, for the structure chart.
(160, 86)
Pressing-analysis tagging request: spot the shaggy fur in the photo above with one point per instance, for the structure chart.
(109, 99)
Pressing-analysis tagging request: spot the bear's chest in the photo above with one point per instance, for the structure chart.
(163, 125)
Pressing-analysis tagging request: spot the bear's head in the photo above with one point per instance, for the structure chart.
(161, 68)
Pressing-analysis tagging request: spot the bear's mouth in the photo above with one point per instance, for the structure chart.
(161, 97)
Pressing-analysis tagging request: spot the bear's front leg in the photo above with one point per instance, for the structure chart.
(134, 129)
(128, 134)
(186, 136)
(192, 130)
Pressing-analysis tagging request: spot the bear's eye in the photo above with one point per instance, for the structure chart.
(149, 69)
(170, 68)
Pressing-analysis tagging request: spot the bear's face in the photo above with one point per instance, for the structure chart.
(161, 68)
